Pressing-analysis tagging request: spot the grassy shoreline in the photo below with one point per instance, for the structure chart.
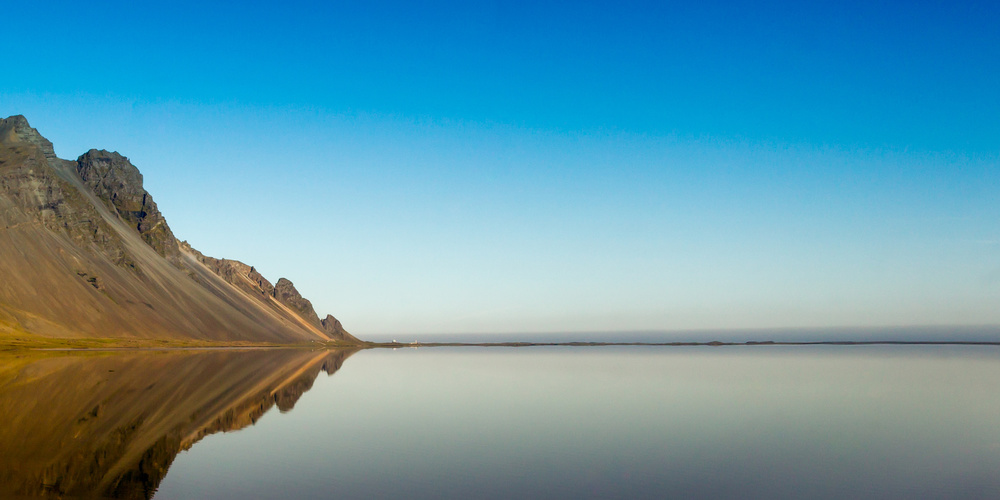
(15, 341)
(714, 343)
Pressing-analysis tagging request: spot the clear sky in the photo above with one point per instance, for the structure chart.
(472, 167)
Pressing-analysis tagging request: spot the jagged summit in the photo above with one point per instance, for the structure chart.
(84, 251)
(117, 183)
(336, 330)
(16, 128)
(247, 279)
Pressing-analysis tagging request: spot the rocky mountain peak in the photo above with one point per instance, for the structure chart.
(285, 293)
(17, 129)
(118, 183)
(109, 174)
(336, 330)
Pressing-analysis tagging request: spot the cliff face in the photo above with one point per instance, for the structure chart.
(234, 272)
(285, 293)
(336, 330)
(118, 184)
(34, 189)
(86, 252)
(246, 278)
(16, 128)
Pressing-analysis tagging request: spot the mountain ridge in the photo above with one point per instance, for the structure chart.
(87, 253)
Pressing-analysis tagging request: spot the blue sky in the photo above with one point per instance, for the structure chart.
(580, 166)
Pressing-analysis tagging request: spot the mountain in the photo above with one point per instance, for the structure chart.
(84, 252)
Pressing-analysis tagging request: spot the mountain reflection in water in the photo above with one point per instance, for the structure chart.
(110, 424)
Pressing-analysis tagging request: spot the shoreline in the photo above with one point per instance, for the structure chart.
(117, 345)
(714, 343)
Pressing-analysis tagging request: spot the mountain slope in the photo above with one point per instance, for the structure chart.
(84, 252)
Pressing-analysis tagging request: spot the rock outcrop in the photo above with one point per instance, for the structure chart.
(84, 251)
(236, 273)
(118, 184)
(37, 188)
(285, 293)
(247, 279)
(17, 129)
(333, 327)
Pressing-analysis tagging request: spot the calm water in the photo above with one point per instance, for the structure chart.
(609, 422)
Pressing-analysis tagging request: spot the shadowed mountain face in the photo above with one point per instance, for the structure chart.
(110, 424)
(118, 184)
(84, 252)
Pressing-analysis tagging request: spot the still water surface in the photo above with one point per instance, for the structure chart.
(554, 422)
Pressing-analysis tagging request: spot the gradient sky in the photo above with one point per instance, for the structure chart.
(437, 167)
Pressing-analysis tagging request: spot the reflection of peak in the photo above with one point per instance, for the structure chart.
(335, 360)
(289, 393)
(112, 425)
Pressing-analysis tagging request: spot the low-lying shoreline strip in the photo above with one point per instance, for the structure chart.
(714, 343)
(81, 344)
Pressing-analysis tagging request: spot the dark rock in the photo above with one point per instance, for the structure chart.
(285, 293)
(248, 279)
(236, 273)
(117, 182)
(32, 190)
(17, 125)
(93, 281)
(331, 324)
(336, 331)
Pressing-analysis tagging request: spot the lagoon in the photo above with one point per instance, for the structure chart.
(554, 422)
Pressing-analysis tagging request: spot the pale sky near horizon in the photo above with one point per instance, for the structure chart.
(536, 167)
